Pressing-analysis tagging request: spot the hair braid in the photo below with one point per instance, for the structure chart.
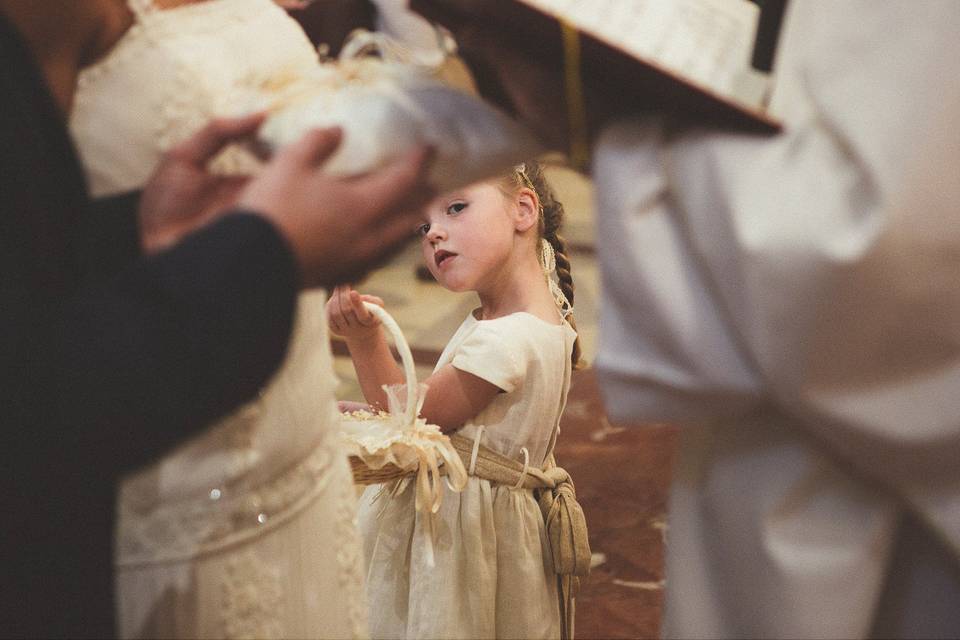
(551, 218)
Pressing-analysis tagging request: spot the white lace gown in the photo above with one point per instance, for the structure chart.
(249, 529)
(493, 576)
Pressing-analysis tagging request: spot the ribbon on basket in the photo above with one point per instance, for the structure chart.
(417, 452)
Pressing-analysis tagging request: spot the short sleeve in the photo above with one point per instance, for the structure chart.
(493, 353)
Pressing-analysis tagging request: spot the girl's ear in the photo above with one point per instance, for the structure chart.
(528, 210)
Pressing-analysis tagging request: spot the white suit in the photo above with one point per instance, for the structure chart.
(795, 300)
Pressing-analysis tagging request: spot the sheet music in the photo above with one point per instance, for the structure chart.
(706, 41)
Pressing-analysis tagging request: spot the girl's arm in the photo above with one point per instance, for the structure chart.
(366, 341)
(454, 396)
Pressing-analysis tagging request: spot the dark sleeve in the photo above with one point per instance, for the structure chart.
(132, 365)
(109, 235)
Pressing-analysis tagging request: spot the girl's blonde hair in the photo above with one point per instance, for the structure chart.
(530, 175)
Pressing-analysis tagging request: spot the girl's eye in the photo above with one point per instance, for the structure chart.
(456, 208)
(423, 229)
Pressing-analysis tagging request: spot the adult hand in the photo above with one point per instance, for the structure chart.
(182, 195)
(338, 228)
(348, 318)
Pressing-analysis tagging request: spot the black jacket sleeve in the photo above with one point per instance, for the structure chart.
(129, 366)
(109, 235)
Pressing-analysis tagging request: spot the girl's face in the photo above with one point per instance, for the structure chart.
(467, 236)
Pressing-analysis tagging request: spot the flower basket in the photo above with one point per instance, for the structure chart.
(392, 445)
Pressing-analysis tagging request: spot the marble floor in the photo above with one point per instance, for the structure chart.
(621, 472)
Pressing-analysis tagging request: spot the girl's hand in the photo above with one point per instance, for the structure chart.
(349, 406)
(347, 316)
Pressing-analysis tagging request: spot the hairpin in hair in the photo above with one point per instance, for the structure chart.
(548, 262)
(521, 171)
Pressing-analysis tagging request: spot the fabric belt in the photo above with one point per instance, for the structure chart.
(565, 524)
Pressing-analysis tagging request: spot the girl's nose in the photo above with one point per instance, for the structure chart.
(436, 232)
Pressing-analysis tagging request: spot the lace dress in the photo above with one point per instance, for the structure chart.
(249, 529)
(492, 576)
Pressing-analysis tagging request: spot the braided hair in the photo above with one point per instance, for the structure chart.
(530, 175)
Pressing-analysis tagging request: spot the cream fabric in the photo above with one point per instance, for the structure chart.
(794, 300)
(248, 530)
(387, 107)
(428, 45)
(493, 576)
(565, 523)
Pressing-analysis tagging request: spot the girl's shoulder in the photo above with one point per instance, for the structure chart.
(524, 320)
(502, 350)
(519, 330)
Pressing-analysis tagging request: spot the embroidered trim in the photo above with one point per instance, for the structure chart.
(252, 599)
(183, 530)
(350, 557)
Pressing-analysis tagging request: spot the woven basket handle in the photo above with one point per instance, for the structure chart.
(409, 372)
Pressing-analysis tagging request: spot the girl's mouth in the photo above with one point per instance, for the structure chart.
(442, 256)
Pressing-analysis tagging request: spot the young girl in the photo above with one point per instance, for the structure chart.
(502, 382)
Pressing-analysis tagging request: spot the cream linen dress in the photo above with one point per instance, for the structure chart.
(249, 529)
(492, 576)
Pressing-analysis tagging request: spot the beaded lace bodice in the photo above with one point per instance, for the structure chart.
(169, 75)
